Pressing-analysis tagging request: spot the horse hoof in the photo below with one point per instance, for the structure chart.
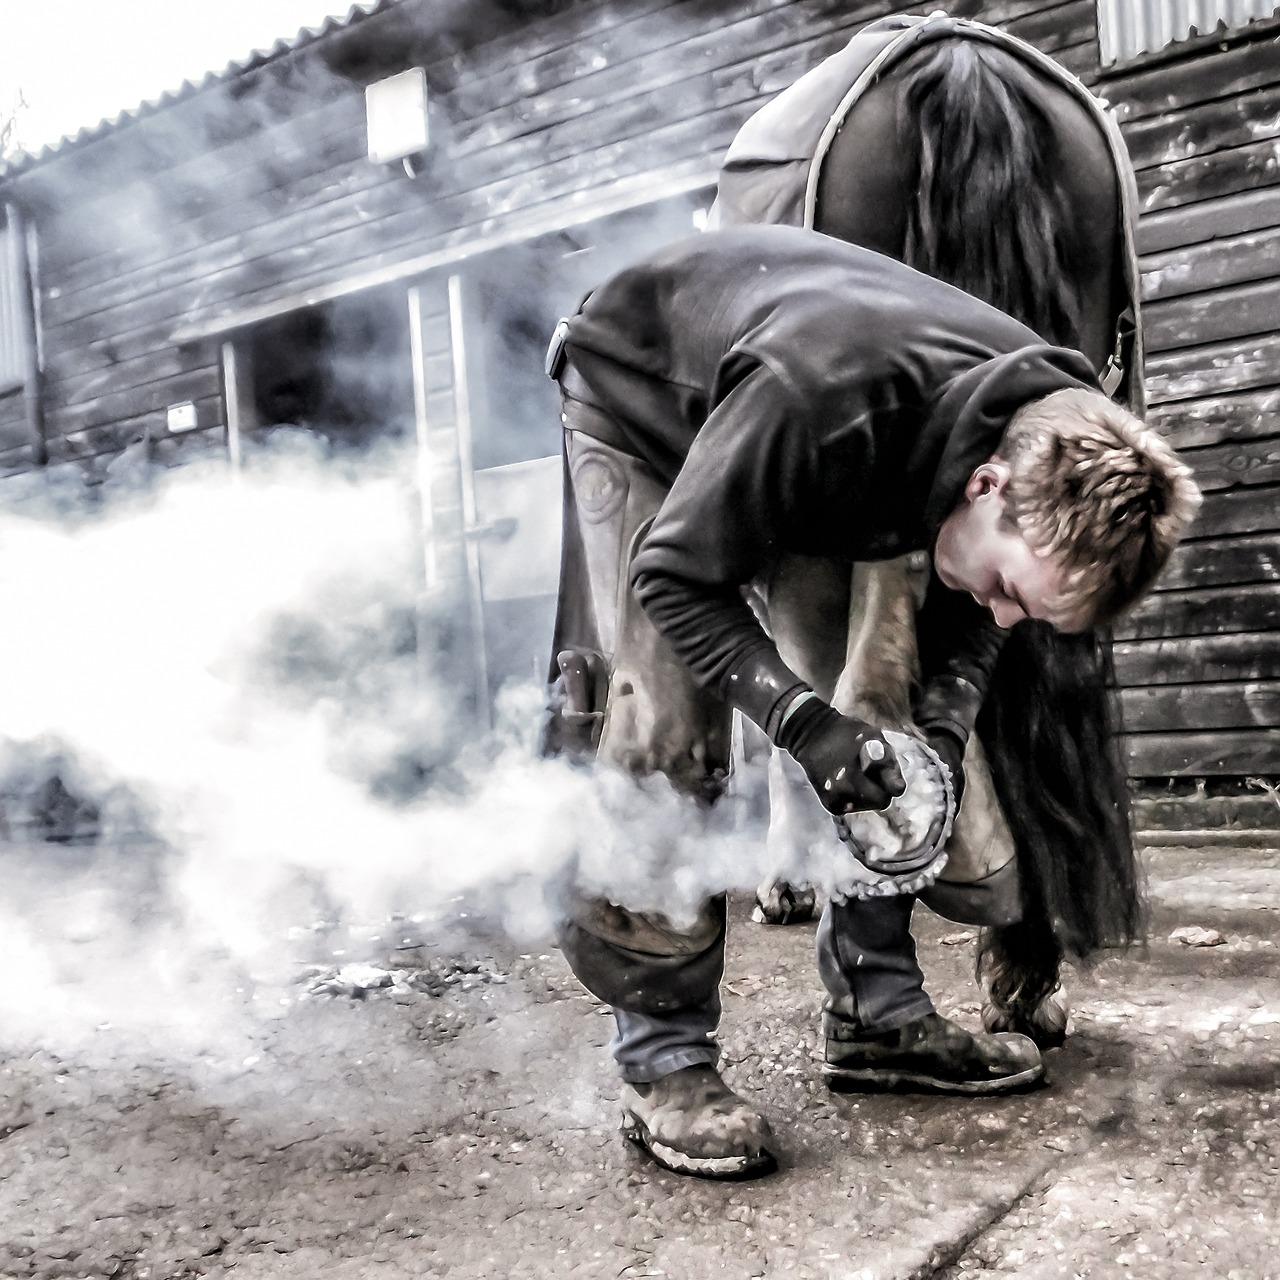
(1047, 1024)
(780, 903)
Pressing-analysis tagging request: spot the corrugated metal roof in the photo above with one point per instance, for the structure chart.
(259, 57)
(1127, 28)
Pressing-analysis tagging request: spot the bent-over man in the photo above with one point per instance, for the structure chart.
(754, 395)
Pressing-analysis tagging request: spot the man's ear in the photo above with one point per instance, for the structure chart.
(990, 478)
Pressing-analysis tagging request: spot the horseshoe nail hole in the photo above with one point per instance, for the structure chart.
(626, 689)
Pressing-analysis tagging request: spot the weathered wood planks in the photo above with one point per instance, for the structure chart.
(1239, 312)
(1223, 561)
(1239, 511)
(1236, 463)
(1210, 420)
(1236, 752)
(1236, 213)
(1215, 610)
(1215, 369)
(1201, 656)
(1247, 655)
(1219, 705)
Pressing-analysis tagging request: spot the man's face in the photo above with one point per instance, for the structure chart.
(979, 552)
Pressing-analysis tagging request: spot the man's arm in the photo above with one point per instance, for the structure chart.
(729, 510)
(750, 471)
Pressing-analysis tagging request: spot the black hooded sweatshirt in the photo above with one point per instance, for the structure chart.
(801, 395)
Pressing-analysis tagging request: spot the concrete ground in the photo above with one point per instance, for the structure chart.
(462, 1122)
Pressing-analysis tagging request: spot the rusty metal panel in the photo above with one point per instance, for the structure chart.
(1127, 28)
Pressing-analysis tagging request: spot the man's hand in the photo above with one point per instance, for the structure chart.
(951, 752)
(829, 748)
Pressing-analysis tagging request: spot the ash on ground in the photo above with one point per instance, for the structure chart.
(420, 975)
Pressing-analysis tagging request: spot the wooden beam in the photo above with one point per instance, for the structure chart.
(1213, 370)
(1215, 265)
(1233, 214)
(1199, 659)
(1222, 562)
(1233, 705)
(1236, 312)
(1239, 416)
(1243, 168)
(625, 195)
(1230, 753)
(1205, 611)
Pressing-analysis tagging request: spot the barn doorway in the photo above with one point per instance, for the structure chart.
(340, 371)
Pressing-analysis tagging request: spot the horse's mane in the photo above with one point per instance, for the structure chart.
(988, 215)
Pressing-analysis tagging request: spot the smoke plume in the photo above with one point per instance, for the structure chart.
(221, 677)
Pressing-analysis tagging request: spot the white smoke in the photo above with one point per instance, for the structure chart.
(211, 662)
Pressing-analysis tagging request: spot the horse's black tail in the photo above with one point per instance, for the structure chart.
(1049, 728)
(991, 218)
(989, 212)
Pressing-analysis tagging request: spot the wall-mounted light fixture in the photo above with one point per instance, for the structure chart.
(396, 114)
(181, 417)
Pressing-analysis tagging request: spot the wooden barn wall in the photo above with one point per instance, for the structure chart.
(217, 206)
(1200, 661)
(182, 219)
(15, 430)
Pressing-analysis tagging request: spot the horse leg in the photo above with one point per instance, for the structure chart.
(808, 616)
(980, 884)
(881, 665)
(853, 639)
(1020, 967)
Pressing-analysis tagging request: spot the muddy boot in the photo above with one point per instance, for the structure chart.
(691, 1122)
(933, 1055)
(1047, 1023)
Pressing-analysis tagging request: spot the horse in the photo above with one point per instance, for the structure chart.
(969, 155)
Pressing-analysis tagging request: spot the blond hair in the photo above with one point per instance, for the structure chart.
(1101, 492)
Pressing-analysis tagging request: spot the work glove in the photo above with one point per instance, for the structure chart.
(829, 748)
(951, 751)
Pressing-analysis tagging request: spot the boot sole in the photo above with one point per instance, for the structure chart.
(722, 1168)
(871, 1080)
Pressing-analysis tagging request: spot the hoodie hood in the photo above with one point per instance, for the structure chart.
(970, 416)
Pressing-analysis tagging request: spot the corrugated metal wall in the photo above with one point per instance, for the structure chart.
(1127, 28)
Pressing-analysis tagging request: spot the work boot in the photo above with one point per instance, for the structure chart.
(1047, 1023)
(934, 1055)
(691, 1122)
